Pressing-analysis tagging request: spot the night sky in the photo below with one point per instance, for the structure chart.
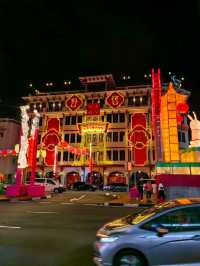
(54, 41)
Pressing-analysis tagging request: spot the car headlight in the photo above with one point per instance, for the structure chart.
(108, 239)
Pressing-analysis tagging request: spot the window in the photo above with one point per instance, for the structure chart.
(186, 219)
(101, 137)
(66, 137)
(129, 155)
(71, 156)
(122, 155)
(67, 120)
(130, 101)
(102, 101)
(115, 118)
(144, 100)
(109, 137)
(65, 156)
(115, 136)
(129, 118)
(72, 140)
(39, 139)
(79, 119)
(121, 136)
(59, 156)
(109, 118)
(179, 136)
(183, 137)
(115, 155)
(121, 117)
(109, 155)
(137, 100)
(89, 101)
(73, 120)
(78, 138)
(40, 122)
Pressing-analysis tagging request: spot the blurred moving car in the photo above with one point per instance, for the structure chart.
(50, 184)
(116, 187)
(166, 234)
(83, 186)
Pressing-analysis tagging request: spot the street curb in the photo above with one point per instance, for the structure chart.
(4, 199)
(17, 199)
(120, 204)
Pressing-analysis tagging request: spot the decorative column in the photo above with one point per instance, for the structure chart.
(34, 139)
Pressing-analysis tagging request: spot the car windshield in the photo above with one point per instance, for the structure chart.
(159, 208)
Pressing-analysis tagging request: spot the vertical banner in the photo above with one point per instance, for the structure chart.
(156, 112)
(51, 139)
(139, 137)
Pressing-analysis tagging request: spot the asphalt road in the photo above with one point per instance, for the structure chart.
(51, 232)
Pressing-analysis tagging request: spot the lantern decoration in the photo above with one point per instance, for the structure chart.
(171, 101)
(74, 102)
(115, 99)
(181, 110)
(77, 151)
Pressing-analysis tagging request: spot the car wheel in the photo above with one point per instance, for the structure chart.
(56, 190)
(129, 258)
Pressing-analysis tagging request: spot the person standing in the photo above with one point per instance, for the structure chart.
(161, 192)
(149, 190)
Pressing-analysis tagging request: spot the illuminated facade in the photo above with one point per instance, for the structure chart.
(9, 137)
(112, 132)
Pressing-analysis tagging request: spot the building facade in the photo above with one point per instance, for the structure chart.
(9, 137)
(109, 134)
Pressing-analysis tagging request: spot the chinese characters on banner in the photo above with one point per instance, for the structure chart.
(74, 102)
(115, 99)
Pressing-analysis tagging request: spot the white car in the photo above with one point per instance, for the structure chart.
(51, 185)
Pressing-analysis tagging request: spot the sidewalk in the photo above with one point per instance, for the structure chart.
(4, 198)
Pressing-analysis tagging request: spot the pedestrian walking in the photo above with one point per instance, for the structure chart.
(134, 193)
(161, 192)
(149, 190)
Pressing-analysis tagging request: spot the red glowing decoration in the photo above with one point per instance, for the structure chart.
(74, 102)
(115, 99)
(182, 108)
(93, 109)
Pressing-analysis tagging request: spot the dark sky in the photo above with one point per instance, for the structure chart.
(57, 40)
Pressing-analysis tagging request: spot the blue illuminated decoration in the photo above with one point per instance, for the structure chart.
(177, 82)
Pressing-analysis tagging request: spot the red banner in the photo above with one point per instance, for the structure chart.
(139, 137)
(51, 139)
(74, 102)
(93, 109)
(115, 99)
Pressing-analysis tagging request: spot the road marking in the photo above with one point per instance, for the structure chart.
(10, 227)
(37, 212)
(75, 199)
(66, 203)
(44, 202)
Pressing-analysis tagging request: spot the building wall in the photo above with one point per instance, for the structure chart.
(136, 100)
(9, 136)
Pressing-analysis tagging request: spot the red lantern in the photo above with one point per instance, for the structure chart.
(182, 108)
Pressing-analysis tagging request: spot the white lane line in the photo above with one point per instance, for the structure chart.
(10, 227)
(44, 202)
(37, 212)
(81, 197)
(66, 203)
